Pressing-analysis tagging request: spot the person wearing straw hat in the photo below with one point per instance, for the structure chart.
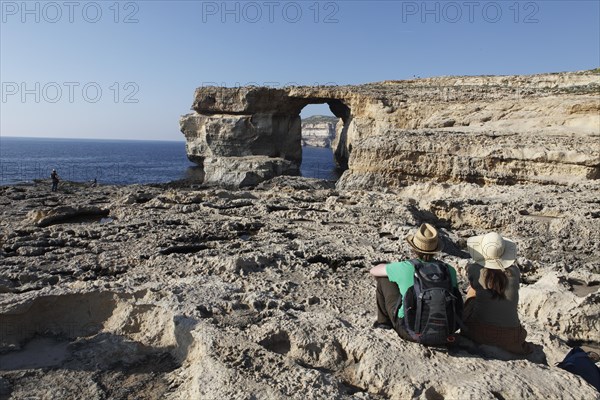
(490, 313)
(394, 279)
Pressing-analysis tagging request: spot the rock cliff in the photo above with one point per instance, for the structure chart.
(318, 131)
(547, 124)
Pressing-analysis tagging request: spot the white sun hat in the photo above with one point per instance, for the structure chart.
(492, 251)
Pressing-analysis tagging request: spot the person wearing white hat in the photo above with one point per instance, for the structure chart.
(490, 313)
(394, 279)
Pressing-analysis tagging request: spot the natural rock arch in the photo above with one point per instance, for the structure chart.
(242, 136)
(481, 129)
(343, 112)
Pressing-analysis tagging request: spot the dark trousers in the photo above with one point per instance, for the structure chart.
(388, 294)
(511, 339)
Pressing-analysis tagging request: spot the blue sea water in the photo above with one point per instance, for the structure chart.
(81, 160)
(117, 161)
(317, 162)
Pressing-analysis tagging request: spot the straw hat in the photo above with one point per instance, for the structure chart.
(492, 251)
(426, 240)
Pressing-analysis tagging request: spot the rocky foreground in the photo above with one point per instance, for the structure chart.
(178, 291)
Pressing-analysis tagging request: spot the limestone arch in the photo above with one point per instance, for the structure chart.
(243, 136)
(342, 111)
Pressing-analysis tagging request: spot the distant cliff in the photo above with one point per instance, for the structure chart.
(318, 131)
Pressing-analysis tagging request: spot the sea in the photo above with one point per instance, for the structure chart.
(119, 162)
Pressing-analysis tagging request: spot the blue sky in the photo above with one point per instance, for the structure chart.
(128, 69)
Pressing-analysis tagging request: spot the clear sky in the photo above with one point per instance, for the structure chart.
(128, 69)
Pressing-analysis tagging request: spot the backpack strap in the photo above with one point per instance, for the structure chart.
(396, 309)
(418, 293)
(400, 300)
(455, 293)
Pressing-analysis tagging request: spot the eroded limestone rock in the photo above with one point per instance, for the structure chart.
(403, 157)
(212, 293)
(246, 171)
(560, 110)
(62, 214)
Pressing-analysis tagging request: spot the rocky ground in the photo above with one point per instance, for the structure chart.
(179, 291)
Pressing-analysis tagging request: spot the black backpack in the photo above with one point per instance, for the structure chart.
(432, 306)
(579, 362)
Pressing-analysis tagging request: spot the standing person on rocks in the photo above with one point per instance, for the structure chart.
(491, 306)
(419, 298)
(55, 179)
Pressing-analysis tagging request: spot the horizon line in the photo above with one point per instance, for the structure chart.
(90, 138)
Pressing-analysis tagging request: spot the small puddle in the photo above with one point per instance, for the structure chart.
(581, 289)
(105, 220)
(39, 352)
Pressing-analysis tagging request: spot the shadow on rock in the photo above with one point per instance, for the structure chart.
(467, 348)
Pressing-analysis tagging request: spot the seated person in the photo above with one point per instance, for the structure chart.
(490, 313)
(395, 279)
